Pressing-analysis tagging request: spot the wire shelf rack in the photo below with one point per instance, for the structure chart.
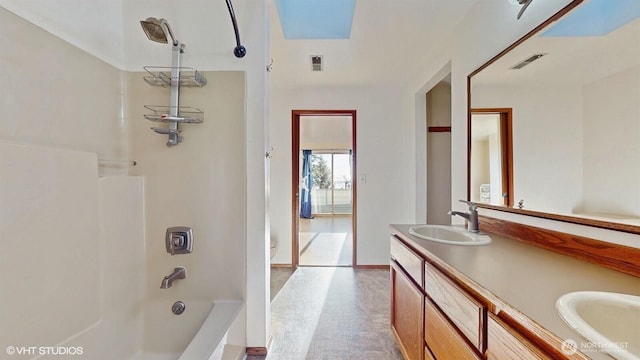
(185, 114)
(161, 76)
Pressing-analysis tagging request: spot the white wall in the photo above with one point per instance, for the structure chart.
(547, 138)
(381, 154)
(325, 132)
(612, 144)
(495, 160)
(480, 170)
(94, 27)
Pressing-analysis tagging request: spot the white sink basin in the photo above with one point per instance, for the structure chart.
(448, 235)
(609, 321)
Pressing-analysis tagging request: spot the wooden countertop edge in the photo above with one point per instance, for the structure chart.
(542, 337)
(617, 257)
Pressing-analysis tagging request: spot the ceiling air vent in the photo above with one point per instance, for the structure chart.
(527, 61)
(316, 62)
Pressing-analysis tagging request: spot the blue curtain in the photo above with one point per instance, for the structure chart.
(307, 183)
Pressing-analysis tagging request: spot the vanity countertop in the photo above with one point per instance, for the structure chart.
(527, 278)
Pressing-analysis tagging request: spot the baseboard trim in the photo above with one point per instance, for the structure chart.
(257, 351)
(371, 267)
(281, 265)
(357, 267)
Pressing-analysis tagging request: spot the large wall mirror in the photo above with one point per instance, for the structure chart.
(572, 147)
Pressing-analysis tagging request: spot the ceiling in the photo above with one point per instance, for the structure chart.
(569, 60)
(389, 39)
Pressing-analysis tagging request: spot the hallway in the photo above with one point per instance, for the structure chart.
(331, 313)
(326, 241)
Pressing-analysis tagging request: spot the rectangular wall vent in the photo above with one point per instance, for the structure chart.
(316, 62)
(527, 61)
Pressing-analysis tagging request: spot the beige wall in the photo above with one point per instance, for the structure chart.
(197, 183)
(439, 155)
(57, 95)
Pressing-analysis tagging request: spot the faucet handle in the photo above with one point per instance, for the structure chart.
(472, 205)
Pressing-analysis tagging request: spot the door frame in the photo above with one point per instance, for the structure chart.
(506, 147)
(295, 178)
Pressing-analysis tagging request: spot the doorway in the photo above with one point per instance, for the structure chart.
(323, 188)
(490, 158)
(438, 150)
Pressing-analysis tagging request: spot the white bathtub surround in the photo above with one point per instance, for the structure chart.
(74, 267)
(49, 228)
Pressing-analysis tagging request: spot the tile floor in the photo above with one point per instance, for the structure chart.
(335, 313)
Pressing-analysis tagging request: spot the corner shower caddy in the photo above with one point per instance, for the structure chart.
(173, 77)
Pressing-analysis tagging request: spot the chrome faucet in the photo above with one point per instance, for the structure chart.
(471, 216)
(178, 273)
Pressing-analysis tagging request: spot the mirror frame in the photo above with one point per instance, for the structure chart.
(545, 215)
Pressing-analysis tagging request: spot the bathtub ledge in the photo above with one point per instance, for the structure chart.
(213, 330)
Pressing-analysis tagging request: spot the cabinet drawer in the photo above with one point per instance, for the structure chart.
(442, 338)
(410, 261)
(463, 311)
(504, 343)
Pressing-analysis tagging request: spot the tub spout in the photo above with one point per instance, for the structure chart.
(178, 273)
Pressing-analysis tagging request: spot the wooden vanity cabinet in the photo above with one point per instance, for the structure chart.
(427, 354)
(407, 297)
(433, 317)
(407, 313)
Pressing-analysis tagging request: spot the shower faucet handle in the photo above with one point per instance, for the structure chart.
(179, 240)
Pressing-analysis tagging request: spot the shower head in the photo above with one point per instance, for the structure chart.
(157, 30)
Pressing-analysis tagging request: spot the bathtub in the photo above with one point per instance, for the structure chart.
(198, 333)
(97, 297)
(205, 331)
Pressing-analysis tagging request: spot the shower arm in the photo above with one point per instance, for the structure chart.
(239, 51)
(174, 41)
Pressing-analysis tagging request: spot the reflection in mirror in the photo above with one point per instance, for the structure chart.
(574, 88)
(491, 157)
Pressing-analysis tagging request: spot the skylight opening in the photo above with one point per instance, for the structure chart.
(596, 18)
(316, 19)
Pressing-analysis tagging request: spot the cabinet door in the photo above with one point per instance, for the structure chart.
(504, 343)
(427, 354)
(406, 314)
